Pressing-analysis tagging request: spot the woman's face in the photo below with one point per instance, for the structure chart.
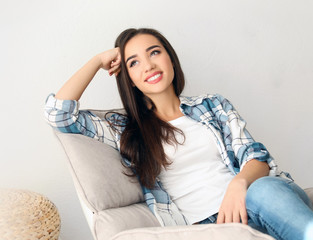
(149, 65)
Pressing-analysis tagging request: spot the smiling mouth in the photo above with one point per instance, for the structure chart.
(153, 78)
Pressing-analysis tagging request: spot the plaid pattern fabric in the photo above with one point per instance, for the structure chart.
(235, 144)
(65, 116)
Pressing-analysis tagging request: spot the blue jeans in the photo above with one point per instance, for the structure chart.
(281, 208)
(278, 207)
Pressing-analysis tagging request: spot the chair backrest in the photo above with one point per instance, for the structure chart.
(115, 200)
(98, 173)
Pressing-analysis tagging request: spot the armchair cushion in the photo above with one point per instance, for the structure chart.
(112, 221)
(98, 173)
(197, 232)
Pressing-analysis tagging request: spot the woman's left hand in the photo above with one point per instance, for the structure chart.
(233, 207)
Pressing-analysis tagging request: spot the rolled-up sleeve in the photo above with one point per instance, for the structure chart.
(65, 116)
(239, 140)
(62, 114)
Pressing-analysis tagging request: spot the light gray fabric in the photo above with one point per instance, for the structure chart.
(196, 232)
(98, 173)
(309, 192)
(116, 200)
(112, 221)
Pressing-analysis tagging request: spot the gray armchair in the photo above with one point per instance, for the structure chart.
(113, 203)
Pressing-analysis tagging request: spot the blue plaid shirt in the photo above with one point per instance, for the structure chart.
(234, 142)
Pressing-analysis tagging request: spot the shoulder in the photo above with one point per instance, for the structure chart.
(214, 99)
(216, 104)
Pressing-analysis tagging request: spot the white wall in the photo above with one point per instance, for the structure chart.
(259, 54)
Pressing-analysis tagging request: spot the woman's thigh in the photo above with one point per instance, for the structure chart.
(279, 206)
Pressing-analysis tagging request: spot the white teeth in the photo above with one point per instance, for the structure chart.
(154, 77)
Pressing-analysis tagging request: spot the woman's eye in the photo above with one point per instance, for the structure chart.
(155, 52)
(133, 63)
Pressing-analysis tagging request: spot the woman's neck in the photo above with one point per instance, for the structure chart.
(167, 106)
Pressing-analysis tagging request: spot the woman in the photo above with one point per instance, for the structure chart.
(193, 156)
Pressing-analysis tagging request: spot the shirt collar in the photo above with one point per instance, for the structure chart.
(191, 101)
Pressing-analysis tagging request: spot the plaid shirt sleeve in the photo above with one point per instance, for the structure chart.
(237, 138)
(65, 116)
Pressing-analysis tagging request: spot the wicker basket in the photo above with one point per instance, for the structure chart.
(25, 215)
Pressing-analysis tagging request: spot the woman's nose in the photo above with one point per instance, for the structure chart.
(149, 65)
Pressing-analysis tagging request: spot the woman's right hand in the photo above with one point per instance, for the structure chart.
(111, 60)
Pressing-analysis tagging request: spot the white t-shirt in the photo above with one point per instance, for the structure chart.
(197, 178)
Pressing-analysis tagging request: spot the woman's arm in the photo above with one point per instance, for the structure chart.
(233, 207)
(76, 85)
(62, 111)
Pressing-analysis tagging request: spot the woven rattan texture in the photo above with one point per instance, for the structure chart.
(25, 215)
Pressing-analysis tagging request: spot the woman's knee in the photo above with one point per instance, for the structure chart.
(275, 189)
(264, 190)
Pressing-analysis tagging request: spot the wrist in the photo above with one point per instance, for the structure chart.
(240, 181)
(97, 61)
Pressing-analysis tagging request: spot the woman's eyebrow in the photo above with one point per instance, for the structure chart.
(133, 56)
(147, 50)
(153, 46)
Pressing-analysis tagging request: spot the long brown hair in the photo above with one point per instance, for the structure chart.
(144, 134)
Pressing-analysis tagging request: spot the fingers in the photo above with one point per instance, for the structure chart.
(115, 64)
(227, 218)
(114, 70)
(236, 217)
(244, 216)
(110, 60)
(232, 217)
(117, 58)
(220, 218)
(117, 71)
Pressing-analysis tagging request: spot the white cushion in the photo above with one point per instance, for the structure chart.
(197, 232)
